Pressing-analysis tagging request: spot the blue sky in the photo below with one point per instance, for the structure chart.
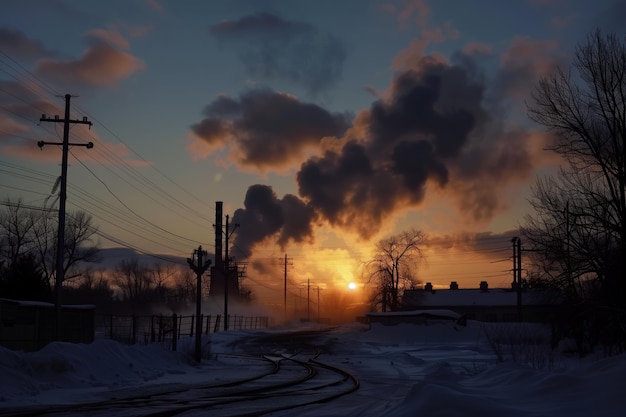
(322, 126)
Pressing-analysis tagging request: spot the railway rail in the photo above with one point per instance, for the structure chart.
(284, 381)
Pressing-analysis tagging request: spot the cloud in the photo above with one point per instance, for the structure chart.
(265, 215)
(409, 11)
(265, 130)
(102, 64)
(16, 43)
(525, 60)
(273, 48)
(477, 48)
(439, 131)
(410, 139)
(24, 102)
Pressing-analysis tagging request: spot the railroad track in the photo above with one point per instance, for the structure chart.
(286, 382)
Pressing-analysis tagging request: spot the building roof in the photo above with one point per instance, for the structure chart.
(477, 297)
(43, 304)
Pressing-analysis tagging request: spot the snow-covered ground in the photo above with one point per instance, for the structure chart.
(441, 369)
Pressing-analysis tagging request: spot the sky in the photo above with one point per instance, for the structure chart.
(441, 369)
(322, 126)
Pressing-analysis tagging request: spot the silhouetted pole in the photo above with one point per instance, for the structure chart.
(517, 273)
(285, 286)
(195, 263)
(60, 270)
(519, 279)
(318, 303)
(227, 273)
(308, 300)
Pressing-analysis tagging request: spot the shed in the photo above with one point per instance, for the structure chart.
(30, 325)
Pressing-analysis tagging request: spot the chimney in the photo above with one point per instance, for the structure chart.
(218, 236)
(484, 287)
(428, 286)
(454, 285)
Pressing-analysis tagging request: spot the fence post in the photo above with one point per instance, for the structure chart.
(217, 323)
(208, 323)
(174, 331)
(193, 318)
(111, 327)
(134, 329)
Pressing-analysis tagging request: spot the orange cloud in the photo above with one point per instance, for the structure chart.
(101, 64)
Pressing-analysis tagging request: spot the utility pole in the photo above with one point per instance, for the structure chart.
(515, 283)
(285, 286)
(517, 273)
(318, 303)
(227, 272)
(308, 300)
(519, 279)
(197, 266)
(60, 270)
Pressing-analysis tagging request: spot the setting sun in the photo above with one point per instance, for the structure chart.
(352, 286)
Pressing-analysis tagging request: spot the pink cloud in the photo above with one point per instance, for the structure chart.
(100, 65)
(409, 11)
(111, 37)
(155, 5)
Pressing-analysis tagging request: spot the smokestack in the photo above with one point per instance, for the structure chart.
(218, 235)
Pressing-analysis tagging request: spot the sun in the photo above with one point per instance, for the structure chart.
(352, 286)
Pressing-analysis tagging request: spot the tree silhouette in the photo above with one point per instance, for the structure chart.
(23, 280)
(393, 267)
(578, 226)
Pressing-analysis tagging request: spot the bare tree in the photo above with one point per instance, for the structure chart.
(184, 287)
(579, 224)
(135, 281)
(33, 231)
(394, 265)
(16, 226)
(79, 245)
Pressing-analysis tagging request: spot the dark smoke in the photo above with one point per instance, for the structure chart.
(265, 215)
(273, 48)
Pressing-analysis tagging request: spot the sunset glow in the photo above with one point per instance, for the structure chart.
(320, 137)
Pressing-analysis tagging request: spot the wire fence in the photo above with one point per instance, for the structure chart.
(167, 330)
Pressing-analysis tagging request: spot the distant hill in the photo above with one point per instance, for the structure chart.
(109, 258)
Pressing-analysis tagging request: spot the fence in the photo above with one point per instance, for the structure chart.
(167, 330)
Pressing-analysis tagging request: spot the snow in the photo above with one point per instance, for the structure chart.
(440, 369)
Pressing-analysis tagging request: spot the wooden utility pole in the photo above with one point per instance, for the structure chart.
(285, 286)
(519, 280)
(60, 268)
(196, 264)
(517, 274)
